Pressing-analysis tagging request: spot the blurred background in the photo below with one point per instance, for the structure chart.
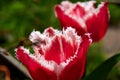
(18, 18)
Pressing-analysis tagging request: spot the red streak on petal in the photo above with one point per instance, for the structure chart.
(78, 11)
(68, 48)
(54, 52)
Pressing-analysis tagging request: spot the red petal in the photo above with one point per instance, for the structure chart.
(83, 50)
(68, 48)
(102, 20)
(54, 51)
(97, 24)
(37, 71)
(67, 21)
(75, 69)
(72, 70)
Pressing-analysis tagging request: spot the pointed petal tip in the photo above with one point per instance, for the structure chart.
(57, 10)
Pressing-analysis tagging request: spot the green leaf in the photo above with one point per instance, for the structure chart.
(101, 72)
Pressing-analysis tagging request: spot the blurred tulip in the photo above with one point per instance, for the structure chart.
(84, 17)
(58, 55)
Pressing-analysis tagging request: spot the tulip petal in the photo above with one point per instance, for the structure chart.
(98, 24)
(37, 71)
(75, 68)
(67, 21)
(83, 50)
(72, 70)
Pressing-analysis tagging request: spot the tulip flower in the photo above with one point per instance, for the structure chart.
(58, 55)
(84, 17)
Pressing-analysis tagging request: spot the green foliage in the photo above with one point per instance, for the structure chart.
(101, 72)
(115, 13)
(114, 73)
(18, 18)
(95, 57)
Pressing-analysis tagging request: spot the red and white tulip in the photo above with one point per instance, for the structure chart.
(84, 17)
(58, 55)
